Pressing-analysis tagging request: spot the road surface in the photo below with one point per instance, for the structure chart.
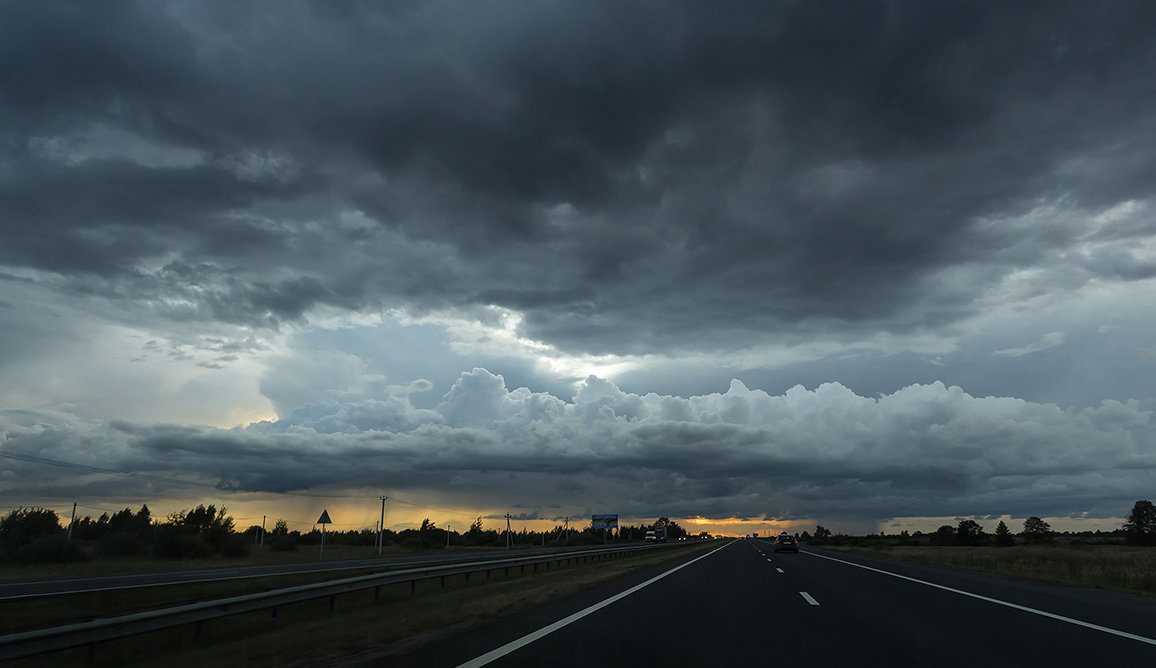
(741, 602)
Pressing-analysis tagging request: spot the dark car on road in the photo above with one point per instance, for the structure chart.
(786, 543)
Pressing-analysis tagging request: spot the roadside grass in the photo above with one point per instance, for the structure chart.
(313, 633)
(1116, 567)
(38, 612)
(44, 611)
(259, 555)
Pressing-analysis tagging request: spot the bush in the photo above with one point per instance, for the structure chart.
(172, 543)
(121, 545)
(48, 550)
(283, 544)
(235, 546)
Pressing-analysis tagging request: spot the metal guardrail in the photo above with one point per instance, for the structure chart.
(67, 636)
(248, 572)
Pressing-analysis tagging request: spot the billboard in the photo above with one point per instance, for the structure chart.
(604, 521)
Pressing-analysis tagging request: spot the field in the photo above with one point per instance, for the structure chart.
(1118, 567)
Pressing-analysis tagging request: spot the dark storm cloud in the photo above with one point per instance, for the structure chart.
(779, 166)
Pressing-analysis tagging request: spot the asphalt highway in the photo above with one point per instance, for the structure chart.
(742, 602)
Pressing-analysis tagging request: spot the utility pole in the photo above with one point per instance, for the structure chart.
(381, 528)
(263, 518)
(449, 527)
(73, 521)
(507, 531)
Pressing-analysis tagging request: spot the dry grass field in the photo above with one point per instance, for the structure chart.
(1119, 567)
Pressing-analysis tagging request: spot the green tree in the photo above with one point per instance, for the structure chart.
(281, 539)
(1003, 535)
(944, 535)
(207, 521)
(673, 530)
(35, 536)
(197, 533)
(1036, 531)
(969, 532)
(21, 526)
(1140, 527)
(124, 534)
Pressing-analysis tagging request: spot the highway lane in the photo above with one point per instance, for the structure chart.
(743, 602)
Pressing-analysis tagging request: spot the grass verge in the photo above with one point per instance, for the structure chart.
(99, 566)
(1117, 567)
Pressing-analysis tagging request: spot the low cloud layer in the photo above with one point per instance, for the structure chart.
(926, 450)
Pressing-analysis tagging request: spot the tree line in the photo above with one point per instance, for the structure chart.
(1138, 529)
(37, 535)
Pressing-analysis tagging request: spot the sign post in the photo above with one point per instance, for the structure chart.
(323, 520)
(604, 522)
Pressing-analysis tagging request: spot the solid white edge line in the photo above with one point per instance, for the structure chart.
(810, 599)
(1051, 615)
(513, 645)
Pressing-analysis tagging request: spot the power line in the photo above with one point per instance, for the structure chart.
(177, 481)
(93, 469)
(34, 459)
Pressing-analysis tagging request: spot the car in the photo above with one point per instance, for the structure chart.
(785, 542)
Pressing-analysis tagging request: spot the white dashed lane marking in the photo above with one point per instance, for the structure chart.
(807, 596)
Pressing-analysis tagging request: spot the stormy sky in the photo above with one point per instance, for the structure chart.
(845, 262)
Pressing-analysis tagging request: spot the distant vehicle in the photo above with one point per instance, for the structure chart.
(786, 543)
(651, 536)
(656, 535)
